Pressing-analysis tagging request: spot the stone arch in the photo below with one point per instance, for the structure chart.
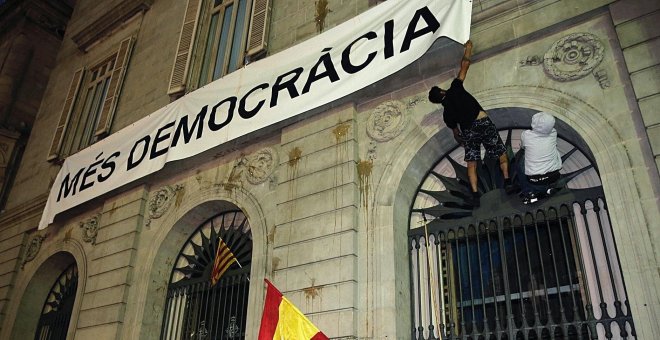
(169, 233)
(423, 145)
(34, 282)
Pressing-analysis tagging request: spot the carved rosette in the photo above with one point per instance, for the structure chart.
(573, 57)
(90, 228)
(261, 165)
(387, 121)
(33, 247)
(160, 202)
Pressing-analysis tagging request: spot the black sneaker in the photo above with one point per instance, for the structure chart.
(529, 198)
(551, 191)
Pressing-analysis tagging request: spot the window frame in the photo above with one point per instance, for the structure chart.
(66, 141)
(193, 37)
(199, 58)
(82, 136)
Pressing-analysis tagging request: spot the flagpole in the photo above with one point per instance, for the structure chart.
(428, 256)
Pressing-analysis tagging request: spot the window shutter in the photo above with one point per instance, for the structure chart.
(114, 87)
(70, 99)
(258, 35)
(183, 51)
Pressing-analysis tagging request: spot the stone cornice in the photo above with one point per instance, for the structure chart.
(52, 16)
(26, 210)
(109, 21)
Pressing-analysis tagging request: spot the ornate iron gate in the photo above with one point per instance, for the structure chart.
(56, 313)
(196, 309)
(512, 271)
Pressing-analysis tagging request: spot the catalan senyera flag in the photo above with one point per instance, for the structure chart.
(223, 259)
(283, 321)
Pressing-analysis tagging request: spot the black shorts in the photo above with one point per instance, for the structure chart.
(482, 131)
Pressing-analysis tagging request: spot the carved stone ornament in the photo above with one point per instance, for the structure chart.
(260, 166)
(160, 201)
(573, 56)
(387, 121)
(90, 229)
(32, 249)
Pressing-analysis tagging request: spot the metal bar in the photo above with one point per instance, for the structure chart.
(411, 239)
(222, 304)
(537, 318)
(562, 319)
(429, 291)
(576, 317)
(246, 291)
(515, 253)
(215, 308)
(603, 305)
(509, 329)
(623, 282)
(469, 266)
(420, 328)
(166, 320)
(592, 322)
(486, 327)
(440, 310)
(540, 253)
(461, 331)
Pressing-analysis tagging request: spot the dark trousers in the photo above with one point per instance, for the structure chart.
(537, 183)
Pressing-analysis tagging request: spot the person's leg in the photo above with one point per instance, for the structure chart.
(472, 156)
(495, 149)
(472, 174)
(504, 165)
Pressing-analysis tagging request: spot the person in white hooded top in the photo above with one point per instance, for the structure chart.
(542, 159)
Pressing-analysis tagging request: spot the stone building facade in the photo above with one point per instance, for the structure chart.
(329, 196)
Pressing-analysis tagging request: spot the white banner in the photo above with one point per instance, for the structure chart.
(344, 59)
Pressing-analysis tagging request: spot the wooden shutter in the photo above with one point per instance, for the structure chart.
(183, 50)
(65, 115)
(114, 88)
(259, 23)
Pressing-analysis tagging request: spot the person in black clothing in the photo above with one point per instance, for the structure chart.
(471, 126)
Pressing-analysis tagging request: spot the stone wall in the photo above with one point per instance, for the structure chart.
(638, 34)
(328, 195)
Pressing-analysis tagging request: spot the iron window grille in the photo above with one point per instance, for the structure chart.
(511, 271)
(194, 309)
(56, 312)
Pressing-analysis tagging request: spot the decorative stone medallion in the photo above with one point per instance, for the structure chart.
(90, 229)
(160, 201)
(387, 121)
(33, 247)
(573, 56)
(261, 165)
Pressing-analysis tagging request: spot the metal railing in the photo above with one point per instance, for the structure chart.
(550, 273)
(197, 310)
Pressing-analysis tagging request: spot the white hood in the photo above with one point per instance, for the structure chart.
(543, 123)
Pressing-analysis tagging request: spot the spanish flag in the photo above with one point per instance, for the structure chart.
(283, 321)
(223, 259)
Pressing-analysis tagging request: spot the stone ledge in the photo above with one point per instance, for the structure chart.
(23, 211)
(112, 19)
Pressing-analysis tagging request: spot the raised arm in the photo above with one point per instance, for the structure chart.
(465, 61)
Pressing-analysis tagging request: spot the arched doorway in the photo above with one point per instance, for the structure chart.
(56, 312)
(199, 307)
(510, 271)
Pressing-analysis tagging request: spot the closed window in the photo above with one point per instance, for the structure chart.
(90, 104)
(217, 38)
(224, 46)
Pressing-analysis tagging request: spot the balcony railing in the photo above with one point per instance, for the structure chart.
(548, 273)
